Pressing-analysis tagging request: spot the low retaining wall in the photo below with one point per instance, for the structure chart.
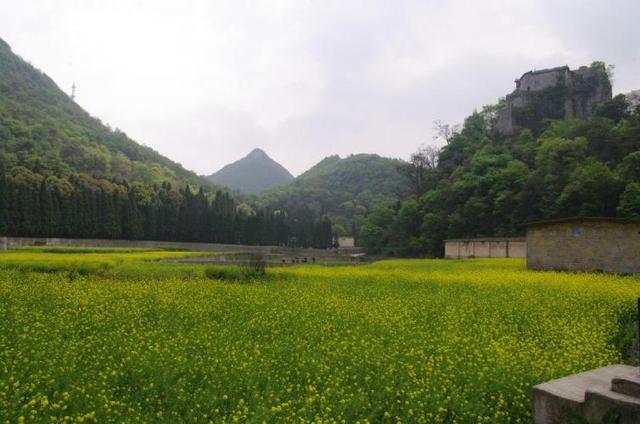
(16, 242)
(585, 244)
(485, 248)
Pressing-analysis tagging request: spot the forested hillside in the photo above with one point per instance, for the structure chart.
(65, 174)
(44, 131)
(254, 173)
(486, 184)
(345, 190)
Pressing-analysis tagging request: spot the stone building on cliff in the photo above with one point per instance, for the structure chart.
(555, 93)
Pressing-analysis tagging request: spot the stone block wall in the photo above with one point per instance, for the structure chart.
(585, 245)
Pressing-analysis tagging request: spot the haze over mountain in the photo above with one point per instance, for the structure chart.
(254, 173)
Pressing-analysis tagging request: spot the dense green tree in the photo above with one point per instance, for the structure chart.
(629, 168)
(344, 189)
(374, 232)
(3, 200)
(488, 184)
(616, 109)
(592, 190)
(629, 206)
(86, 207)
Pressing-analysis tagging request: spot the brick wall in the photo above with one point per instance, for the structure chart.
(585, 246)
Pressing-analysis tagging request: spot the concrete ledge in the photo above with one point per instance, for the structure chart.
(607, 406)
(627, 385)
(589, 397)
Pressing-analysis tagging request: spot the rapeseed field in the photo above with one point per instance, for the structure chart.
(116, 336)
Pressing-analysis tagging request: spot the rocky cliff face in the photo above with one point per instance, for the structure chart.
(554, 93)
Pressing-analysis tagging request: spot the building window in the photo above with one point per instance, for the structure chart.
(577, 232)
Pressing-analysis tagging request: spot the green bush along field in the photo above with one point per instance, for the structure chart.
(114, 336)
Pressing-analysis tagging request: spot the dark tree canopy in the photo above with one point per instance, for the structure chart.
(84, 207)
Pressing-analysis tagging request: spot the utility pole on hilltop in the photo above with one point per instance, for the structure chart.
(73, 92)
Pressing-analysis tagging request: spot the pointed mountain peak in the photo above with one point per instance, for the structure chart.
(258, 152)
(253, 173)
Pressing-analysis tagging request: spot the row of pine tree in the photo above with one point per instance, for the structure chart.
(81, 206)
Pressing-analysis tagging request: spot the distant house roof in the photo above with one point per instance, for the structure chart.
(582, 219)
(544, 71)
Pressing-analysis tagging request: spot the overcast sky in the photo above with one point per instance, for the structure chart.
(204, 82)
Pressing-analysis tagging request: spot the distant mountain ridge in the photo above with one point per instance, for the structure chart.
(323, 167)
(345, 189)
(254, 173)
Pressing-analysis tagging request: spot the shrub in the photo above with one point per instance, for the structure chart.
(256, 267)
(222, 273)
(253, 269)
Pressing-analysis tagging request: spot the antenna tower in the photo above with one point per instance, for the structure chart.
(73, 91)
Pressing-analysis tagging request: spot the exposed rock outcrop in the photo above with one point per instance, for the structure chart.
(553, 93)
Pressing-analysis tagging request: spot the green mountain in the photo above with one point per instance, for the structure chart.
(325, 166)
(254, 173)
(343, 189)
(44, 131)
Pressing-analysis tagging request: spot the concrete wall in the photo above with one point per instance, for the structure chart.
(346, 242)
(16, 242)
(485, 248)
(517, 249)
(584, 245)
(3, 243)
